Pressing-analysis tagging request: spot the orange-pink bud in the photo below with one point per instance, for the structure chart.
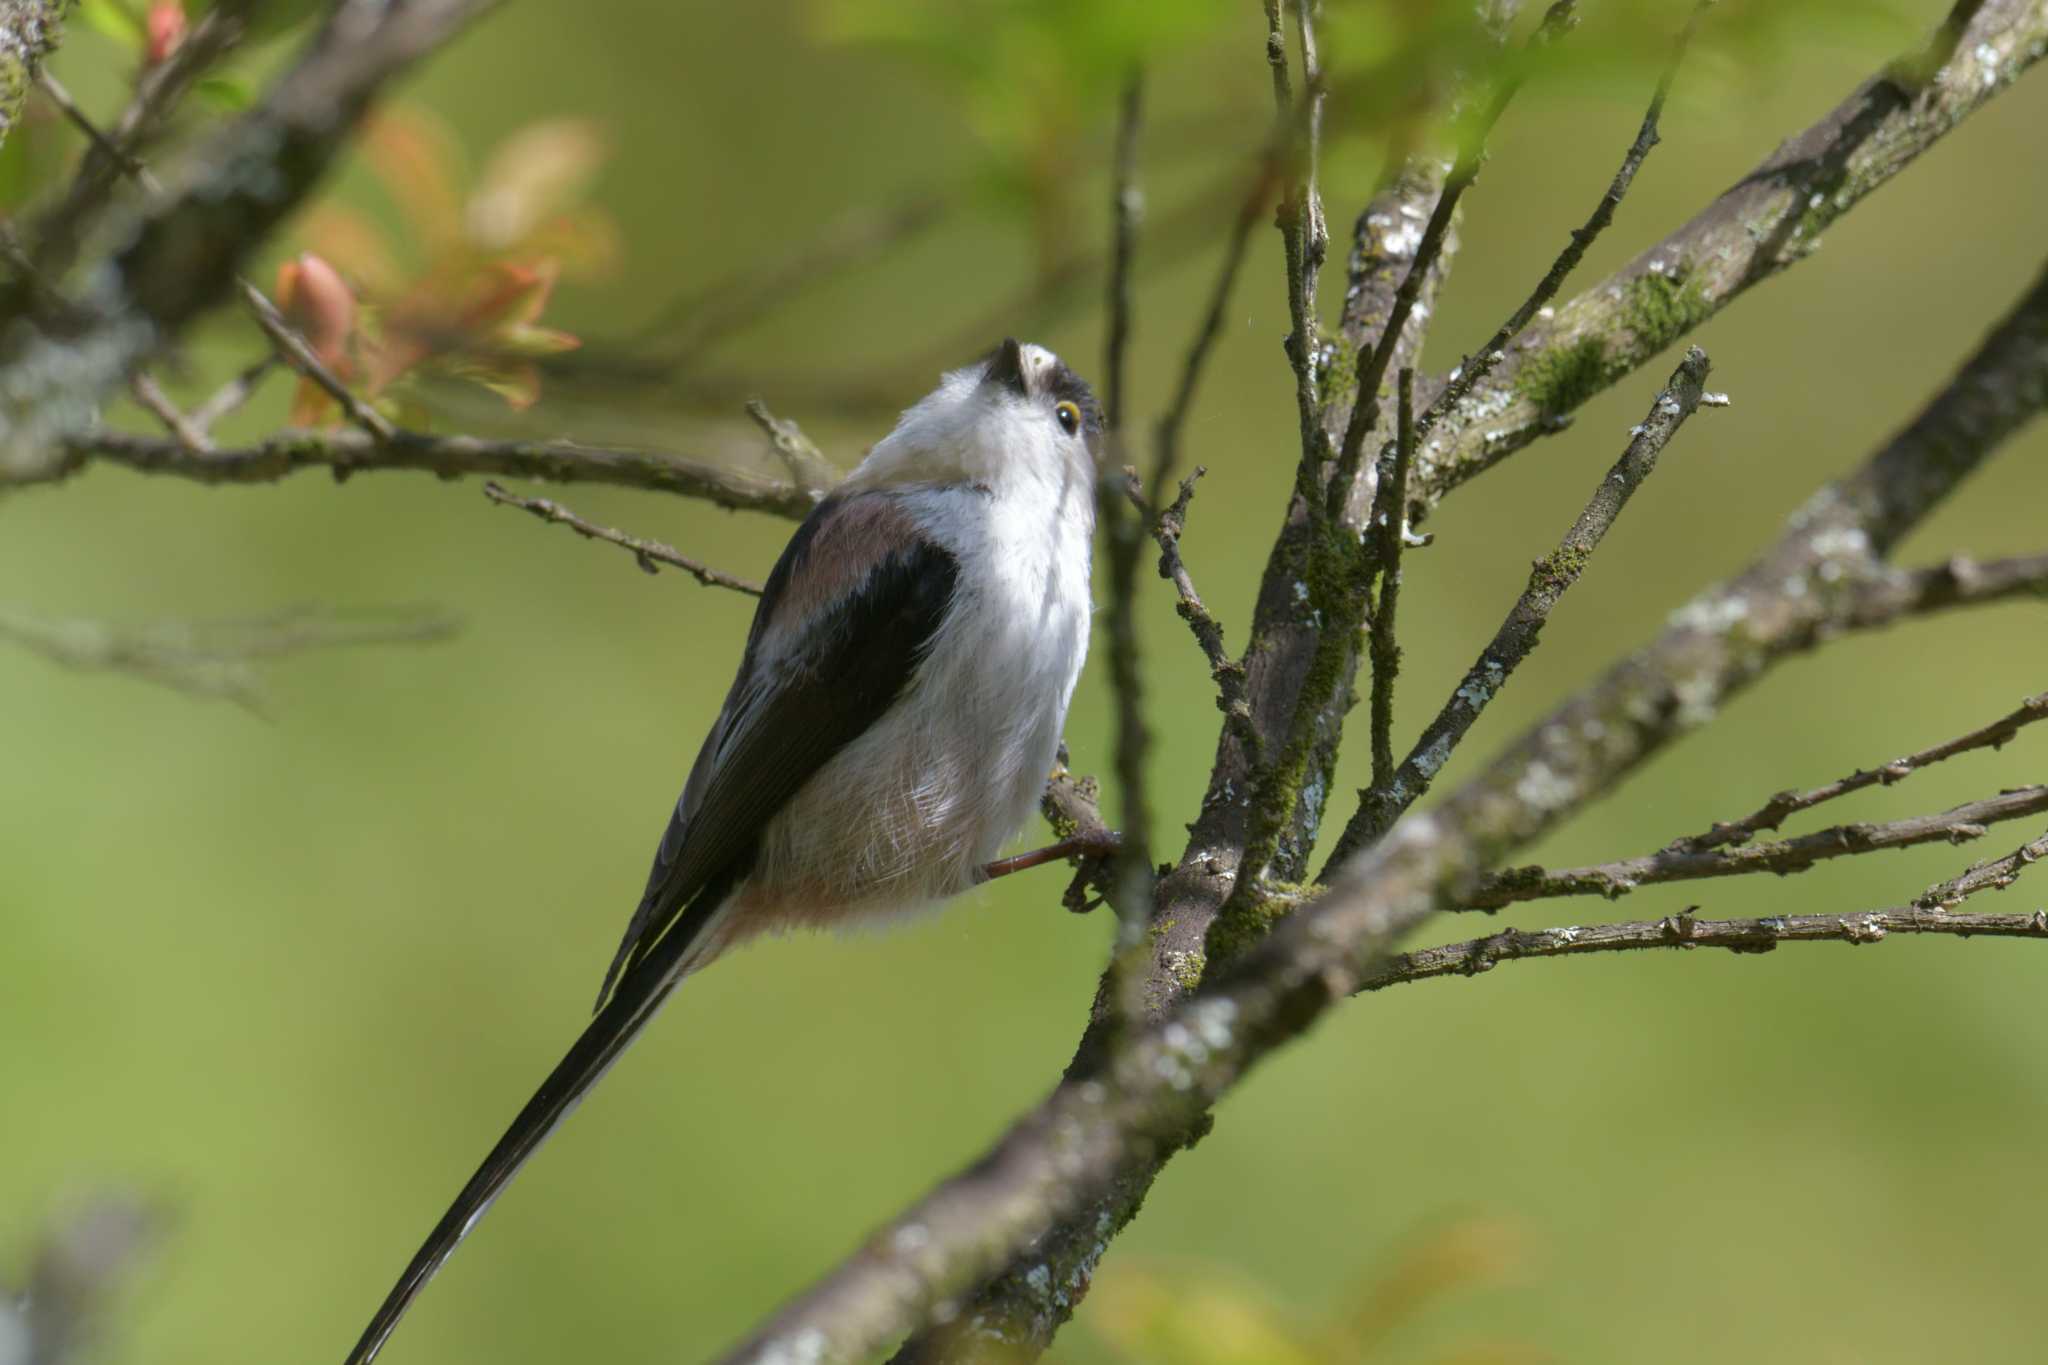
(317, 302)
(165, 25)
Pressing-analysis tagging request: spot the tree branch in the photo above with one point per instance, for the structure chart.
(1549, 579)
(1070, 1173)
(646, 553)
(185, 251)
(1684, 931)
(348, 453)
(1615, 880)
(217, 658)
(1766, 222)
(1389, 523)
(1993, 875)
(1476, 366)
(1784, 804)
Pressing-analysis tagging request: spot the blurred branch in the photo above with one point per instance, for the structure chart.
(63, 230)
(1549, 579)
(216, 658)
(85, 1256)
(1788, 803)
(1685, 931)
(808, 467)
(231, 396)
(103, 147)
(188, 433)
(353, 452)
(1615, 880)
(182, 252)
(1960, 582)
(646, 553)
(1768, 221)
(691, 325)
(1130, 875)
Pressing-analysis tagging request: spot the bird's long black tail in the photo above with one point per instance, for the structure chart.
(640, 993)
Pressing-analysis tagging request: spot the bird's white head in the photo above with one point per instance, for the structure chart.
(1017, 419)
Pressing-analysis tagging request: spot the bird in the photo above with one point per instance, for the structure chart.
(897, 711)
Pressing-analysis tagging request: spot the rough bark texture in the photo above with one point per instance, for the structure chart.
(29, 31)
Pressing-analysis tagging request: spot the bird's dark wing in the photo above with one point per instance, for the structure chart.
(843, 622)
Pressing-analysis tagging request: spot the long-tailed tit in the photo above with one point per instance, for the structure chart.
(895, 717)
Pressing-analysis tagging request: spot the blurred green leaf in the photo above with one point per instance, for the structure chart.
(228, 94)
(116, 20)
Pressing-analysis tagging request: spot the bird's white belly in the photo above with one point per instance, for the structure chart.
(908, 813)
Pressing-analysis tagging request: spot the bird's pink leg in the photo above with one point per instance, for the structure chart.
(1095, 843)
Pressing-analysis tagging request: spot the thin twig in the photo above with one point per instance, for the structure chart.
(807, 465)
(1897, 594)
(1474, 367)
(1300, 209)
(1993, 875)
(1372, 364)
(1771, 218)
(1126, 209)
(691, 325)
(1383, 803)
(62, 231)
(1266, 178)
(216, 658)
(102, 144)
(1615, 880)
(188, 433)
(1684, 931)
(347, 453)
(646, 553)
(1784, 804)
(230, 397)
(300, 357)
(1131, 866)
(1167, 526)
(1389, 521)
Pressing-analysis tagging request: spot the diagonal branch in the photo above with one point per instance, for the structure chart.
(1551, 577)
(1373, 364)
(1993, 875)
(1615, 880)
(646, 553)
(1784, 804)
(1766, 222)
(299, 355)
(1476, 366)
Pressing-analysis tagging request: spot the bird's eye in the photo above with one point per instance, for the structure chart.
(1070, 417)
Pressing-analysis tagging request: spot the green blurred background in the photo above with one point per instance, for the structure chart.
(292, 977)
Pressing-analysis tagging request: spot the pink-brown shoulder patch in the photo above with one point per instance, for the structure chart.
(855, 537)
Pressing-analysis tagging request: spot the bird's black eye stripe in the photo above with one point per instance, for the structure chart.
(1070, 417)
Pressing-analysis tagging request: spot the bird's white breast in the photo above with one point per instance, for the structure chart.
(908, 813)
